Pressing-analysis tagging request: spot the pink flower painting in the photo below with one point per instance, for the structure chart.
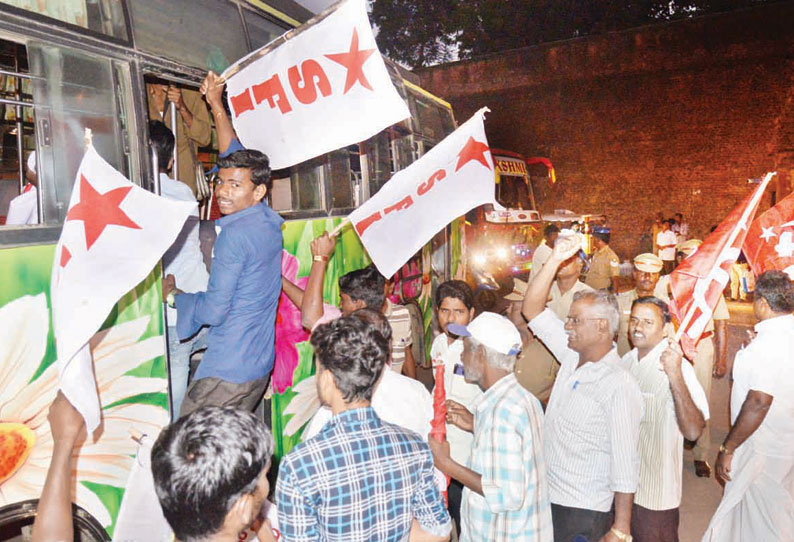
(289, 330)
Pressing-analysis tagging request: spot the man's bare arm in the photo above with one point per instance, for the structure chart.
(752, 414)
(538, 289)
(54, 513)
(690, 419)
(312, 306)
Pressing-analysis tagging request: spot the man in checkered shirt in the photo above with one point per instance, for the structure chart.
(359, 479)
(506, 494)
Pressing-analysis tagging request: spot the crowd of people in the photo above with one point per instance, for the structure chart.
(565, 417)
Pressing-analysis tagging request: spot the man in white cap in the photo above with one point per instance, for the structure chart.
(505, 496)
(592, 424)
(711, 355)
(536, 367)
(24, 209)
(647, 268)
(675, 407)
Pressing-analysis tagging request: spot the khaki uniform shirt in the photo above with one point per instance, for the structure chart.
(200, 133)
(604, 265)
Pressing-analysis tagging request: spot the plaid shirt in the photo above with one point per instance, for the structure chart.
(359, 479)
(508, 454)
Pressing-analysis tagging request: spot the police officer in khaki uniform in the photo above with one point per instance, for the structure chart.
(647, 268)
(536, 368)
(604, 265)
(711, 354)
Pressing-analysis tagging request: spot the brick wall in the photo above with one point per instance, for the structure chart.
(670, 118)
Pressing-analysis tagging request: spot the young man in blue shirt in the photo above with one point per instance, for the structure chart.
(240, 303)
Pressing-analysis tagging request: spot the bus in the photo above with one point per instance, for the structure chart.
(501, 242)
(75, 64)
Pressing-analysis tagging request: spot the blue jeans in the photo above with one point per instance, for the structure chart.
(179, 353)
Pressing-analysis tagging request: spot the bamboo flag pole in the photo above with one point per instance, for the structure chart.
(734, 234)
(89, 138)
(259, 53)
(338, 228)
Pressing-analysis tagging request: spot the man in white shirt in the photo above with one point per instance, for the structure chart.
(454, 304)
(756, 460)
(183, 260)
(680, 228)
(543, 251)
(24, 209)
(592, 423)
(666, 240)
(675, 407)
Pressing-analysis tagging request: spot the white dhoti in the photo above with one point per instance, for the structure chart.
(758, 504)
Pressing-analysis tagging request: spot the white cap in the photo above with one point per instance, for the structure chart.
(32, 161)
(493, 330)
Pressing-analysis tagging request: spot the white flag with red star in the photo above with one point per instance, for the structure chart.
(113, 236)
(418, 201)
(323, 89)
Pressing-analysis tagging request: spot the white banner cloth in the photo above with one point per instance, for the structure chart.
(418, 201)
(322, 90)
(114, 234)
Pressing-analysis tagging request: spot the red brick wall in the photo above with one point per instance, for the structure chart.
(670, 118)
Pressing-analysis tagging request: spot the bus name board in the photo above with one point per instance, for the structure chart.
(508, 166)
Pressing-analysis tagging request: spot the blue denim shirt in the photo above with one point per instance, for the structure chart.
(241, 299)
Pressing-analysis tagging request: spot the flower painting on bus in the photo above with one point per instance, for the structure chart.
(128, 353)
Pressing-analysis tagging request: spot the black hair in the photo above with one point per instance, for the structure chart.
(203, 463)
(162, 139)
(364, 285)
(256, 161)
(652, 300)
(377, 319)
(605, 237)
(456, 289)
(355, 352)
(778, 290)
(551, 228)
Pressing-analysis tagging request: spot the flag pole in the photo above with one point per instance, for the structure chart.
(338, 228)
(89, 138)
(734, 234)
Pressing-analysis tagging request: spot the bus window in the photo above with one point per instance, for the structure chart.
(340, 180)
(379, 166)
(260, 30)
(103, 16)
(176, 30)
(18, 197)
(434, 121)
(73, 91)
(402, 153)
(512, 192)
(307, 182)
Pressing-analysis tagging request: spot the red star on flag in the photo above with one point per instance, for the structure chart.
(98, 211)
(473, 150)
(65, 256)
(353, 60)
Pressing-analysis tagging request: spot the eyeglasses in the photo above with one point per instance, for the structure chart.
(575, 321)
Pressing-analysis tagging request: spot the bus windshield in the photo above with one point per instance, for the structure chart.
(513, 192)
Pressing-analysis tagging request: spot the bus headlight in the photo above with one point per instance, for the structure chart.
(502, 253)
(479, 259)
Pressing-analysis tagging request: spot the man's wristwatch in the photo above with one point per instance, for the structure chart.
(620, 535)
(318, 258)
(170, 299)
(724, 450)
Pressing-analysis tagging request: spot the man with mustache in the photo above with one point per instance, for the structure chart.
(647, 268)
(593, 418)
(675, 407)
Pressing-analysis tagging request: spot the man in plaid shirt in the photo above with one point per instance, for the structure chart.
(506, 495)
(359, 479)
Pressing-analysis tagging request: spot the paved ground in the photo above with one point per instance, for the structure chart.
(702, 495)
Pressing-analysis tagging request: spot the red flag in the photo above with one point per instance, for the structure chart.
(438, 425)
(770, 239)
(698, 282)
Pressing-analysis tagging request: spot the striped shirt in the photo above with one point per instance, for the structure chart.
(592, 424)
(400, 322)
(661, 441)
(508, 454)
(359, 479)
